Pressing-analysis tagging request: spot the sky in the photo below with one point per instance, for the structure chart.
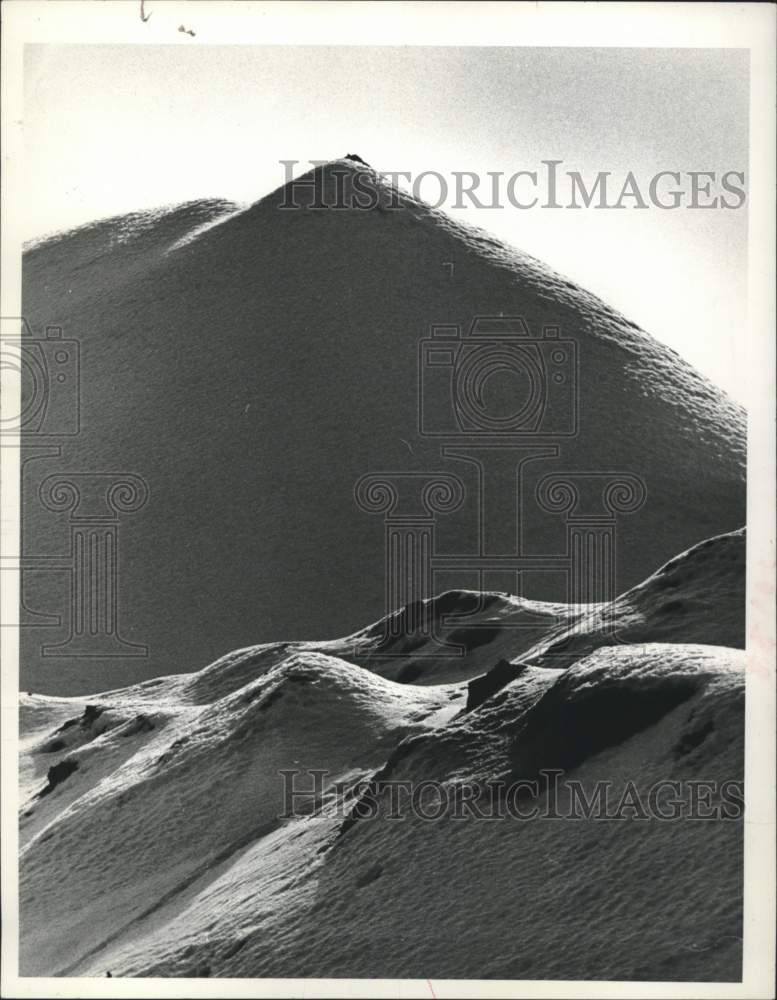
(110, 129)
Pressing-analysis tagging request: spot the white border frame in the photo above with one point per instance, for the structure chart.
(677, 25)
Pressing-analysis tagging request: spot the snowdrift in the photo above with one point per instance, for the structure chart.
(153, 792)
(694, 598)
(158, 838)
(253, 364)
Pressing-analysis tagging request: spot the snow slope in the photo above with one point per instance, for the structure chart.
(695, 597)
(155, 841)
(192, 785)
(253, 364)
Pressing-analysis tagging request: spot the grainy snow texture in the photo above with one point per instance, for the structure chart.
(153, 844)
(252, 364)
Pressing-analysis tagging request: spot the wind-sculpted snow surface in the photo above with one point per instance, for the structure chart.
(695, 597)
(252, 365)
(164, 791)
(159, 837)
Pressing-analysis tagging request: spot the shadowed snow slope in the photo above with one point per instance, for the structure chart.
(157, 838)
(695, 597)
(155, 792)
(253, 364)
(174, 864)
(459, 635)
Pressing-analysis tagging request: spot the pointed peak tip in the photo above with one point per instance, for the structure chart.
(354, 157)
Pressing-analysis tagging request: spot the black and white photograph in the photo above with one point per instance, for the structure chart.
(388, 499)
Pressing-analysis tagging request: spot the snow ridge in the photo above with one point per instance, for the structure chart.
(154, 841)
